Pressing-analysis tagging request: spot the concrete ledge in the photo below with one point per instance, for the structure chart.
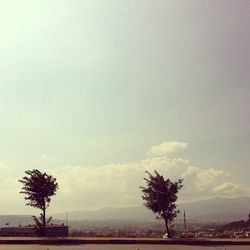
(93, 240)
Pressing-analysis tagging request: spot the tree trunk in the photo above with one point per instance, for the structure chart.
(167, 228)
(44, 221)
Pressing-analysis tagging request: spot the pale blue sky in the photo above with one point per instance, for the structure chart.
(90, 83)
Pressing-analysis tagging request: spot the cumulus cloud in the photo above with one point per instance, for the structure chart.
(204, 179)
(82, 187)
(166, 148)
(9, 192)
(118, 184)
(230, 189)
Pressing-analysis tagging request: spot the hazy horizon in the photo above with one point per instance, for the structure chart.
(97, 92)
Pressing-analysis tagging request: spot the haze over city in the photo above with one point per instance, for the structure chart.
(97, 92)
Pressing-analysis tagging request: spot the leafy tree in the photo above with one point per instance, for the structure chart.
(160, 196)
(38, 188)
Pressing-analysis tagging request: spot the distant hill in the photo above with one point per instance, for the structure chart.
(204, 211)
(216, 210)
(110, 213)
(16, 220)
(241, 224)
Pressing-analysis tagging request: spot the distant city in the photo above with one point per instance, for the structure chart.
(139, 222)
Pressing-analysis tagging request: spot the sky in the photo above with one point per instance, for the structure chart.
(96, 92)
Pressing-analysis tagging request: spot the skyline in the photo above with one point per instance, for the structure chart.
(99, 91)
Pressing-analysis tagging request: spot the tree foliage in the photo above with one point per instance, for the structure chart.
(38, 188)
(160, 196)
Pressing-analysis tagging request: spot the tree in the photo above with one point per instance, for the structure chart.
(38, 188)
(160, 196)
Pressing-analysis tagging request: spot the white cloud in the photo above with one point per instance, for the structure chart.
(166, 148)
(230, 189)
(118, 184)
(204, 179)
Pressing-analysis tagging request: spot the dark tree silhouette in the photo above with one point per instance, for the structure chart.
(160, 196)
(38, 188)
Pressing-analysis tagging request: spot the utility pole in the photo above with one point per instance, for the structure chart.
(67, 219)
(185, 222)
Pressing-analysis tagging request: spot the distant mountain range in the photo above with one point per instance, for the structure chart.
(216, 210)
(211, 210)
(16, 220)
